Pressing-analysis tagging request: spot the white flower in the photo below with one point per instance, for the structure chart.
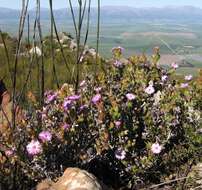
(174, 65)
(193, 115)
(120, 154)
(164, 78)
(156, 148)
(184, 85)
(130, 96)
(82, 84)
(150, 89)
(188, 77)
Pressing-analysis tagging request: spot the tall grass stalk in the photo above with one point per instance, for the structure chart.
(88, 23)
(78, 39)
(55, 78)
(33, 58)
(78, 23)
(66, 61)
(25, 4)
(98, 36)
(28, 30)
(42, 72)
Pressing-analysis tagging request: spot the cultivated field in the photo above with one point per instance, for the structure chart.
(186, 35)
(177, 40)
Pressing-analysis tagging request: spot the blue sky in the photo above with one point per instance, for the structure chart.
(135, 3)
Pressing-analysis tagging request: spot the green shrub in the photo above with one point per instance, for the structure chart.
(134, 124)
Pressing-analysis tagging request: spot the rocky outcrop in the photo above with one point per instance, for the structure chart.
(5, 109)
(35, 51)
(5, 114)
(72, 179)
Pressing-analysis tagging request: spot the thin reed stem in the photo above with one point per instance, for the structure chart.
(21, 29)
(78, 39)
(88, 23)
(58, 40)
(28, 30)
(55, 78)
(98, 37)
(42, 72)
(78, 31)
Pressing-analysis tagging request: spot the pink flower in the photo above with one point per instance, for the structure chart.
(98, 89)
(83, 107)
(118, 64)
(67, 104)
(130, 96)
(150, 89)
(66, 126)
(174, 65)
(45, 136)
(120, 154)
(184, 85)
(96, 99)
(188, 77)
(118, 124)
(34, 148)
(43, 116)
(156, 148)
(74, 97)
(9, 152)
(51, 97)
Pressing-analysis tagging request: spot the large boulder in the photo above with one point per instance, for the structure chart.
(72, 179)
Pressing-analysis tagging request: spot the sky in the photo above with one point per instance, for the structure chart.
(16, 4)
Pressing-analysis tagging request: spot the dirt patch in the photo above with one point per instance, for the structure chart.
(187, 35)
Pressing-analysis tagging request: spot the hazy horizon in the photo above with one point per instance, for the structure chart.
(16, 4)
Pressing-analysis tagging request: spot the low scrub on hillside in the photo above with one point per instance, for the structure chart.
(133, 126)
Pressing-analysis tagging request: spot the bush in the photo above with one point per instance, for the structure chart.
(134, 125)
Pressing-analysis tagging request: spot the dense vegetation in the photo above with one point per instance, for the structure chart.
(129, 121)
(134, 126)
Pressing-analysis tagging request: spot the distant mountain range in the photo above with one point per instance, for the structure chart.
(110, 13)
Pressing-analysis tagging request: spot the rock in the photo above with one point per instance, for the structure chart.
(73, 45)
(45, 185)
(5, 106)
(5, 109)
(35, 51)
(72, 179)
(64, 37)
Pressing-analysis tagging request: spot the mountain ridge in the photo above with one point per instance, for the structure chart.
(116, 13)
(112, 6)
